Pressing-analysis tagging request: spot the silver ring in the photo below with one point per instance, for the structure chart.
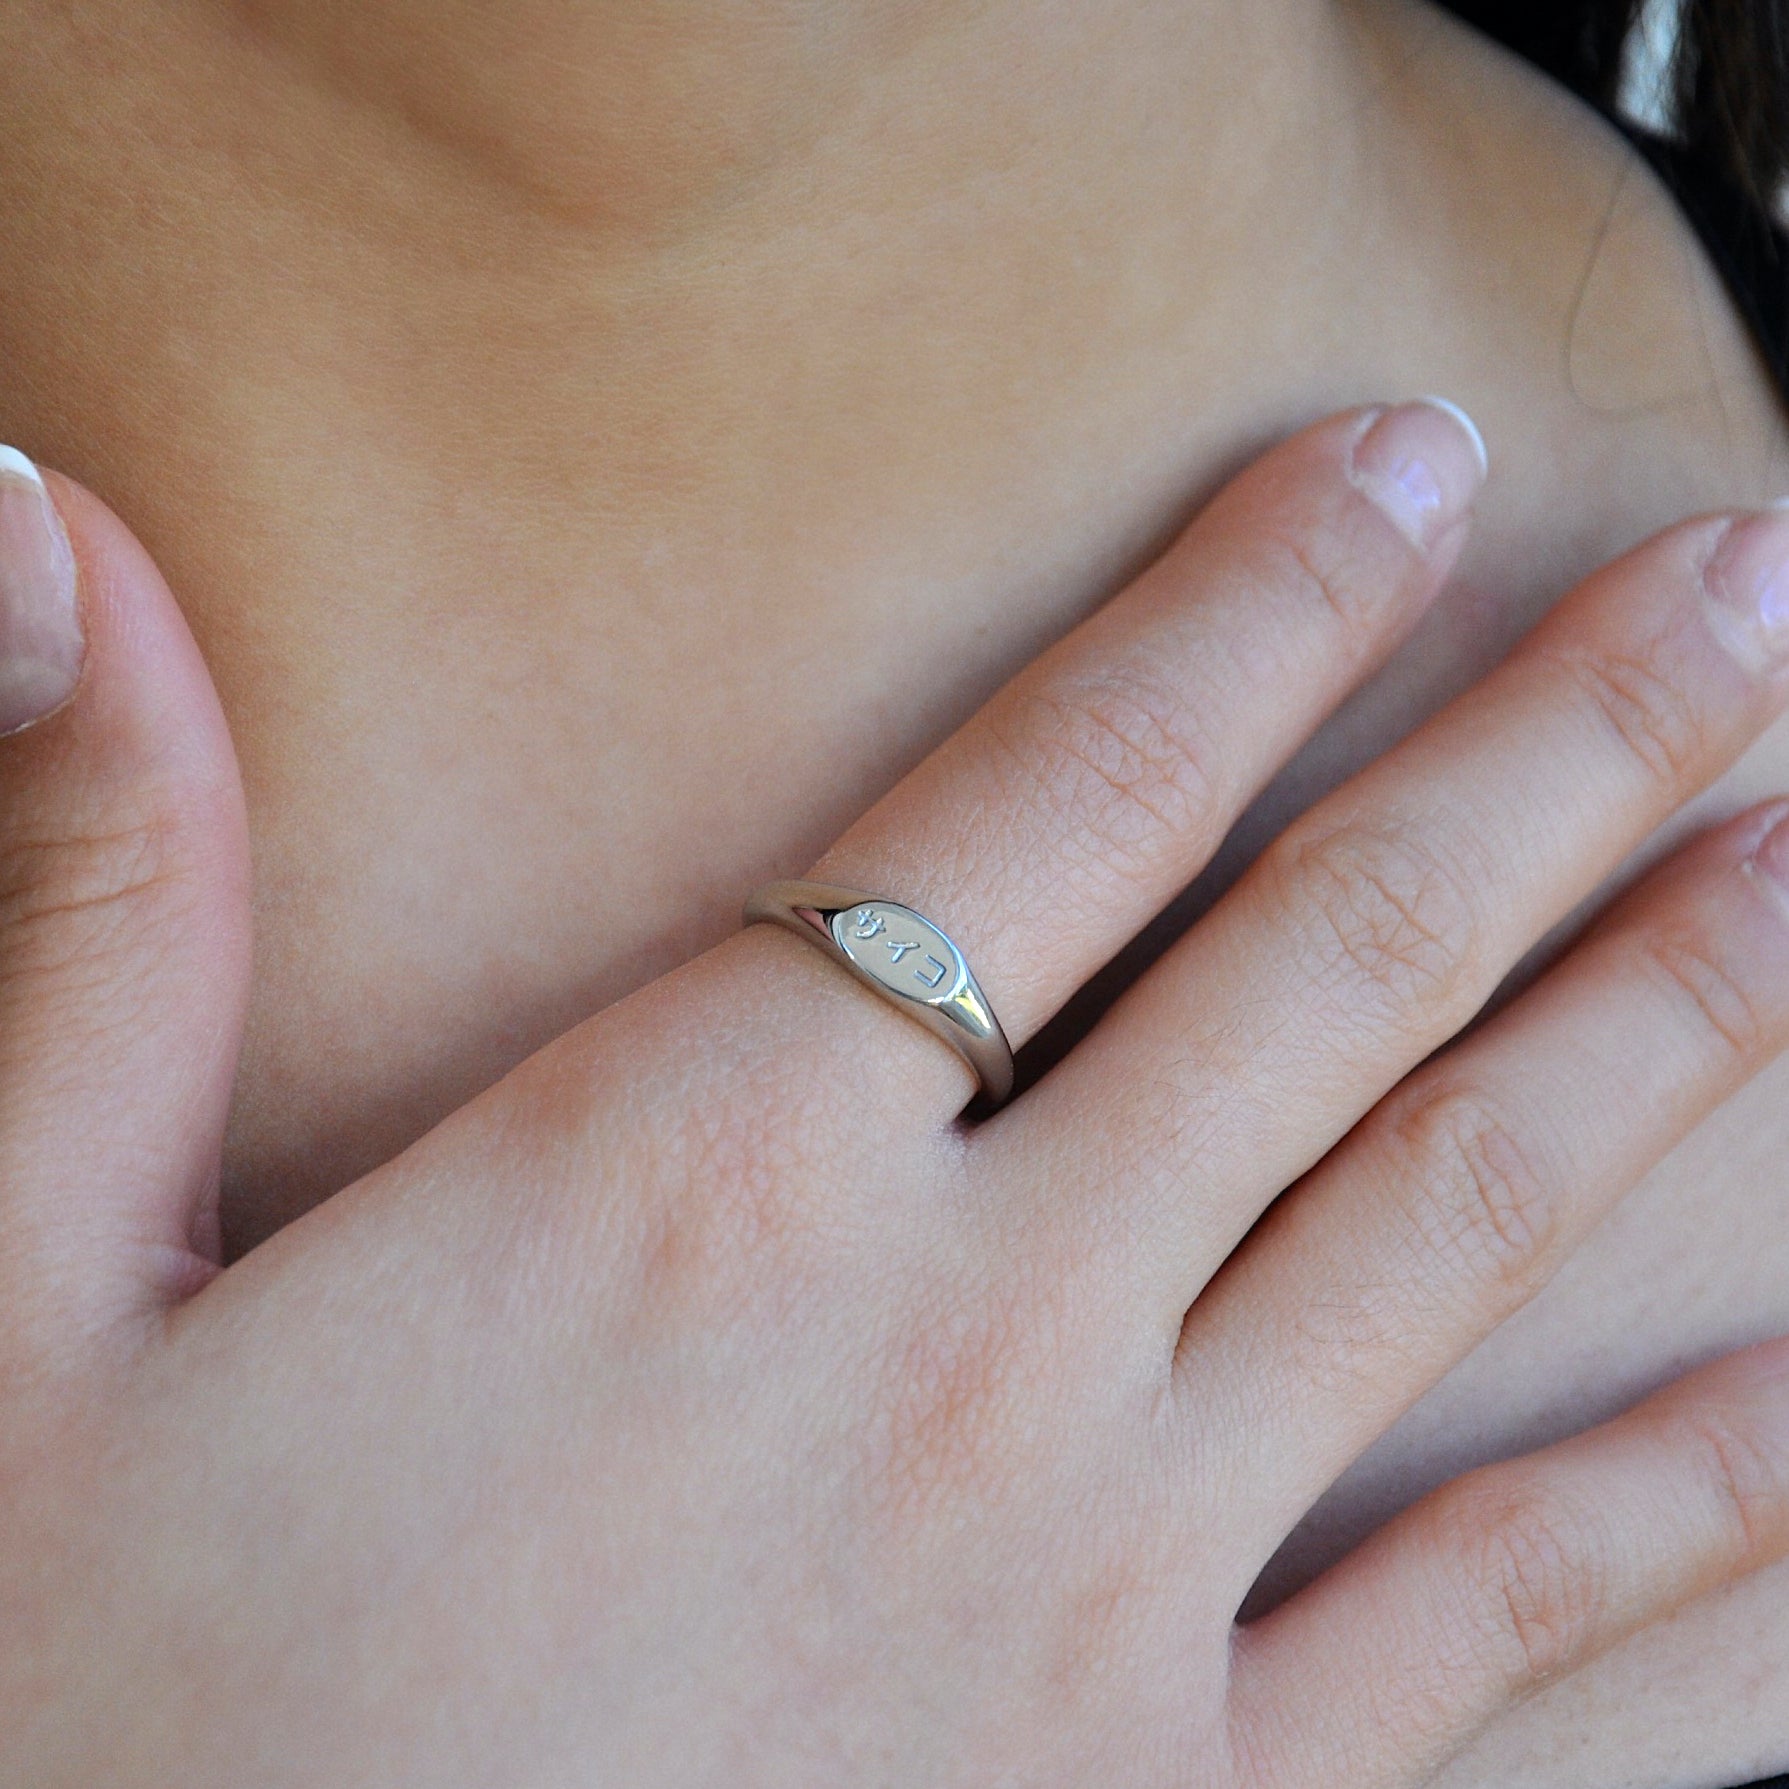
(905, 958)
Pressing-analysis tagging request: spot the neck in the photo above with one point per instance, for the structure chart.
(888, 259)
(645, 111)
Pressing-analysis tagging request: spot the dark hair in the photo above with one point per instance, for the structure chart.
(1728, 97)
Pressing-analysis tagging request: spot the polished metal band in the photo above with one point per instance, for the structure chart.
(905, 958)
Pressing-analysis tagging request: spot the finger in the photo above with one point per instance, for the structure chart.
(1083, 797)
(123, 917)
(1461, 1195)
(1382, 921)
(1514, 1576)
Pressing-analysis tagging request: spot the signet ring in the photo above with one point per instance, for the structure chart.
(907, 960)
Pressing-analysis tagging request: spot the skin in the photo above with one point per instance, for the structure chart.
(544, 537)
(687, 1411)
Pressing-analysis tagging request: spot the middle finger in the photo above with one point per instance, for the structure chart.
(1378, 924)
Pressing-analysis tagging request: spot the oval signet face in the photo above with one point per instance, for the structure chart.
(908, 955)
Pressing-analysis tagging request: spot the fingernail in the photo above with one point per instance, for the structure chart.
(1748, 577)
(40, 621)
(1423, 464)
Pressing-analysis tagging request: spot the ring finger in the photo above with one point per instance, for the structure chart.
(1067, 812)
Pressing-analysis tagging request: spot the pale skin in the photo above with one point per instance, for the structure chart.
(511, 633)
(701, 1405)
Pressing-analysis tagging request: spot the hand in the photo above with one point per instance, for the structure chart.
(706, 1404)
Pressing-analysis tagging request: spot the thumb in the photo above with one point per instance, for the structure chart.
(124, 921)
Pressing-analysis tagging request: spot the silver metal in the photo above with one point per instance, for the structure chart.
(905, 958)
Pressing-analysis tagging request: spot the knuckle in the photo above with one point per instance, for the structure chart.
(1538, 1572)
(735, 1230)
(1480, 1204)
(74, 895)
(1125, 762)
(1649, 714)
(978, 1350)
(953, 1372)
(730, 1175)
(1318, 573)
(1707, 990)
(1745, 1479)
(752, 1174)
(952, 1401)
(1391, 918)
